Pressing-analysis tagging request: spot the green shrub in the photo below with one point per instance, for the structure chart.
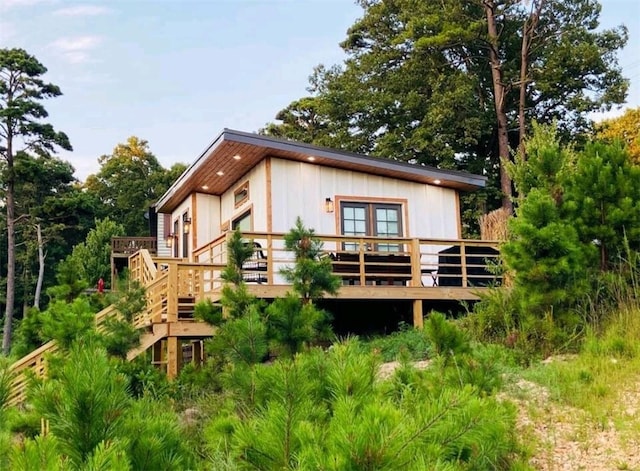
(445, 337)
(144, 379)
(406, 341)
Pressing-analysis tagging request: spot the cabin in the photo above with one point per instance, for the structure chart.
(392, 230)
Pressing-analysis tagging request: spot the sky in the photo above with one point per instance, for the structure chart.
(175, 73)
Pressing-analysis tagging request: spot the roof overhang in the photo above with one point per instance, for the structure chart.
(233, 153)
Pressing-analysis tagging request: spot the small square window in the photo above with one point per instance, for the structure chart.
(241, 194)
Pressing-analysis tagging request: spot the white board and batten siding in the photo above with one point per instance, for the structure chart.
(161, 242)
(256, 203)
(207, 214)
(300, 189)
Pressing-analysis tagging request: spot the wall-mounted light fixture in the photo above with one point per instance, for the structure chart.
(328, 205)
(186, 224)
(169, 239)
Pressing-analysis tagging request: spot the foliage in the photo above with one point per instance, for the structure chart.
(130, 301)
(445, 337)
(207, 311)
(65, 322)
(154, 437)
(93, 256)
(5, 383)
(129, 181)
(85, 402)
(312, 275)
(293, 324)
(48, 199)
(238, 252)
(144, 379)
(70, 281)
(572, 205)
(241, 340)
(602, 199)
(21, 123)
(407, 341)
(28, 335)
(119, 337)
(41, 453)
(417, 82)
(624, 128)
(325, 410)
(547, 256)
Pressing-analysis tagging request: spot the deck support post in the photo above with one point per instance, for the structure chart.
(172, 357)
(197, 355)
(418, 321)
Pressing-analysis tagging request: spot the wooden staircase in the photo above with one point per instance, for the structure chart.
(172, 287)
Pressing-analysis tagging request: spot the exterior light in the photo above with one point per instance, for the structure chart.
(205, 187)
(311, 158)
(236, 157)
(436, 182)
(186, 224)
(328, 205)
(219, 173)
(169, 239)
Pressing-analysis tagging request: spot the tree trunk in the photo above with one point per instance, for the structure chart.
(11, 249)
(499, 92)
(36, 296)
(528, 30)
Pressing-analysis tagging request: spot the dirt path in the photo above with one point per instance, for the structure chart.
(565, 438)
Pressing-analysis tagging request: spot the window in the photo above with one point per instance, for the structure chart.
(242, 222)
(372, 219)
(241, 194)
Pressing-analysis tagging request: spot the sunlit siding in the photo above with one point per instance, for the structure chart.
(300, 189)
(257, 201)
(163, 250)
(207, 214)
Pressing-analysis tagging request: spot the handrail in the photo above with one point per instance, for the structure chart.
(415, 262)
(129, 245)
(36, 362)
(209, 249)
(142, 267)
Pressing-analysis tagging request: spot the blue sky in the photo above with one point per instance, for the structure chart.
(176, 72)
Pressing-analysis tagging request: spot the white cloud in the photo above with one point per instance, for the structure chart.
(76, 50)
(82, 10)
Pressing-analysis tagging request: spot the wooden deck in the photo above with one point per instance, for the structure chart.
(371, 268)
(381, 265)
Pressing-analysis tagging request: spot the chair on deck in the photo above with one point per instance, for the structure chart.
(254, 270)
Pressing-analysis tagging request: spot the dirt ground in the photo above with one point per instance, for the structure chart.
(562, 438)
(565, 438)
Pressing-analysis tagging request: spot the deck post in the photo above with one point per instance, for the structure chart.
(418, 321)
(361, 263)
(196, 356)
(416, 274)
(463, 264)
(172, 295)
(172, 357)
(270, 259)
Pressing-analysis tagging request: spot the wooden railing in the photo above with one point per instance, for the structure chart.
(130, 245)
(420, 262)
(417, 262)
(35, 363)
(142, 268)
